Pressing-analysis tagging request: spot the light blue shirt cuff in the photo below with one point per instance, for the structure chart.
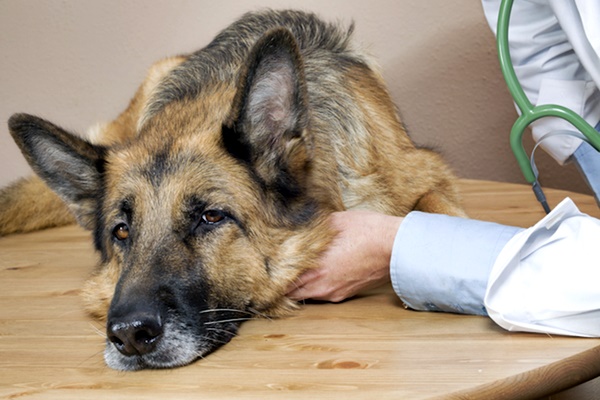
(442, 263)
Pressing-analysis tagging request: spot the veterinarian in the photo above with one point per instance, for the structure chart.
(555, 50)
(541, 279)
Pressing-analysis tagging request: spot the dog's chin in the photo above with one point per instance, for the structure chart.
(176, 349)
(157, 360)
(171, 356)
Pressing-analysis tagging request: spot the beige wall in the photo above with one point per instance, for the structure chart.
(77, 62)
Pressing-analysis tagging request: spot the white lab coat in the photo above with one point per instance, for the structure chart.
(555, 50)
(545, 279)
(541, 279)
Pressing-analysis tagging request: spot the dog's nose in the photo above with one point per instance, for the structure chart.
(136, 334)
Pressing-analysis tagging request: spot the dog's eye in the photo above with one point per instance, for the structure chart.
(213, 216)
(121, 232)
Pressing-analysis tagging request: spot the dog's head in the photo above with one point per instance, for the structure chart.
(203, 219)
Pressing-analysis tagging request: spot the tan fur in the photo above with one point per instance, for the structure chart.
(29, 205)
(288, 248)
(272, 128)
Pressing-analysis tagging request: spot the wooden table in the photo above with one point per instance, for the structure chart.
(366, 348)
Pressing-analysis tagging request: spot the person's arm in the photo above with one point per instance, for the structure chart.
(442, 263)
(434, 260)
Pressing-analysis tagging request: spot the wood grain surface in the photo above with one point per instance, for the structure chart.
(365, 348)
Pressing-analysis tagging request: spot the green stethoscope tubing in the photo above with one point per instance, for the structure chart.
(529, 113)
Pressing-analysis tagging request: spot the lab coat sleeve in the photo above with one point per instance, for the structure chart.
(545, 279)
(442, 263)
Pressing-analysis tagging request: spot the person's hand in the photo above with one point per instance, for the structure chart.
(358, 258)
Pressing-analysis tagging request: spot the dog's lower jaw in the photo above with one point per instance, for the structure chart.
(176, 349)
(167, 358)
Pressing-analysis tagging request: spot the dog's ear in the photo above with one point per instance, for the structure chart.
(268, 126)
(69, 165)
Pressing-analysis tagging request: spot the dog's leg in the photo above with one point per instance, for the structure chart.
(28, 205)
(439, 203)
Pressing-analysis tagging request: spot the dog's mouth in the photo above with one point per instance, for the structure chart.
(174, 344)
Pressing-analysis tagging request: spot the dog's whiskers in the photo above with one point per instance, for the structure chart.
(222, 321)
(214, 340)
(258, 313)
(250, 311)
(98, 331)
(221, 331)
(233, 310)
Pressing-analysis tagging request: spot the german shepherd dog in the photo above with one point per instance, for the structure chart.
(208, 196)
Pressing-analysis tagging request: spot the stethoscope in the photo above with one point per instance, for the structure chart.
(530, 113)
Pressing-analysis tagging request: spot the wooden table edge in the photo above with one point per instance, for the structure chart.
(539, 382)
